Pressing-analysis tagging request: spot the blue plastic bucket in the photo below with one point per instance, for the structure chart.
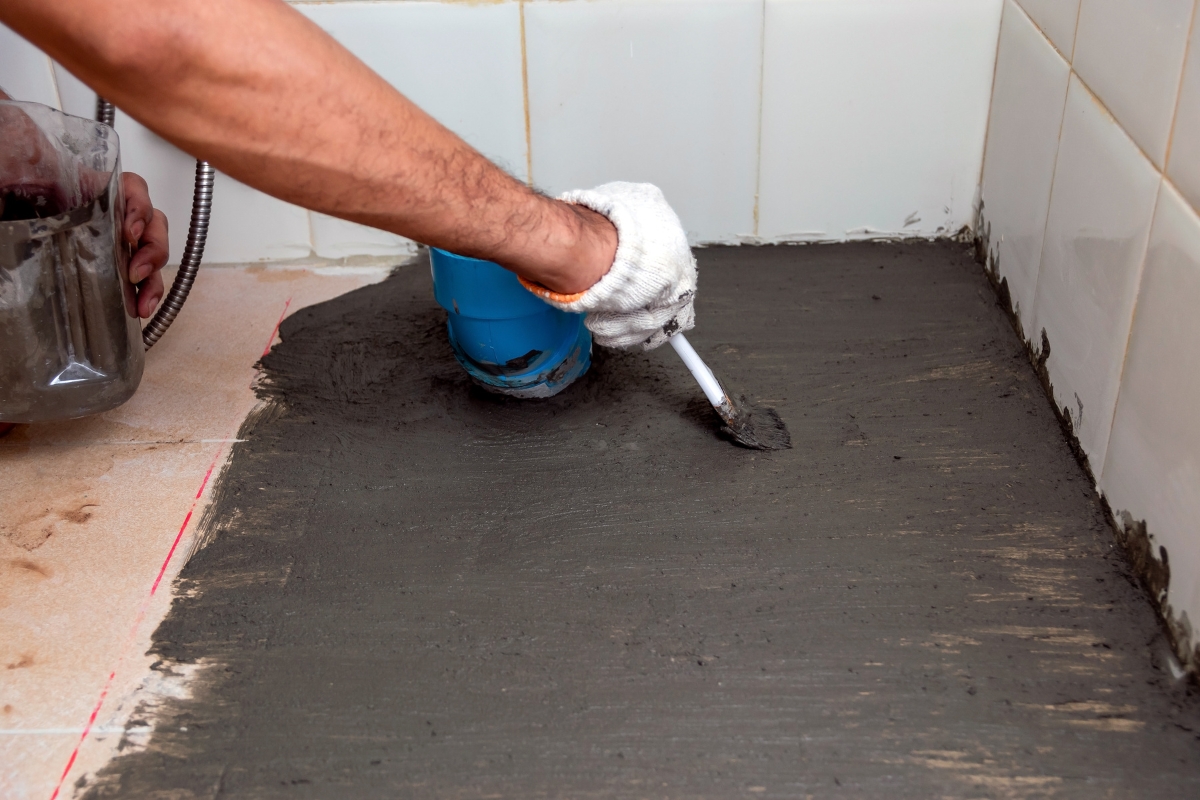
(507, 339)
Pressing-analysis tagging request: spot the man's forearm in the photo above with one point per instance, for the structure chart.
(266, 96)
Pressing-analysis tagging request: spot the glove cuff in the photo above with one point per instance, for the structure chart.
(620, 279)
(557, 299)
(640, 275)
(581, 302)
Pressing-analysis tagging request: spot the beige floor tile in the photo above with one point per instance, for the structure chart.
(98, 514)
(32, 762)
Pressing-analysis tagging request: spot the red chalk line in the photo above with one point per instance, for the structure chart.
(162, 571)
(275, 330)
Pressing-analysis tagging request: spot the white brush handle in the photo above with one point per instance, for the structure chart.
(700, 371)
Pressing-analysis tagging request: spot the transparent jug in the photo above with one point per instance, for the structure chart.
(70, 340)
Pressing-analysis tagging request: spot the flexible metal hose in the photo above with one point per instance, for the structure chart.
(105, 112)
(193, 251)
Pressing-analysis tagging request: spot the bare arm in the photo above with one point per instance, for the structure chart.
(266, 96)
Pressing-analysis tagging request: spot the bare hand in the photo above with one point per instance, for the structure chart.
(145, 230)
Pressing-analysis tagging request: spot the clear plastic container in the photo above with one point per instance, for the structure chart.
(70, 339)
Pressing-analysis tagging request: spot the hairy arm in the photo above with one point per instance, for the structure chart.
(267, 97)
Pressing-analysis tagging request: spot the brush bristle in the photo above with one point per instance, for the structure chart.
(756, 427)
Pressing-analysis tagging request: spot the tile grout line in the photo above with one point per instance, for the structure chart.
(54, 80)
(55, 731)
(1141, 276)
(312, 233)
(1074, 34)
(762, 67)
(1096, 97)
(1187, 56)
(987, 129)
(145, 604)
(1033, 337)
(138, 442)
(1116, 121)
(1046, 34)
(525, 98)
(1163, 182)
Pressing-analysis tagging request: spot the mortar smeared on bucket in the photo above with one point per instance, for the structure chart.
(507, 339)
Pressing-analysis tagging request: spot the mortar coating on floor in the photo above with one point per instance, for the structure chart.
(412, 588)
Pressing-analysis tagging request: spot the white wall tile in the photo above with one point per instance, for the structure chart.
(25, 71)
(1184, 158)
(1101, 206)
(1130, 53)
(337, 238)
(874, 116)
(77, 97)
(646, 90)
(461, 63)
(1153, 465)
(1057, 20)
(1027, 108)
(248, 225)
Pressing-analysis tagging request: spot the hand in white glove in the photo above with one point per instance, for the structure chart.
(646, 295)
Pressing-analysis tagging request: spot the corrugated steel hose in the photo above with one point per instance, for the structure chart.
(193, 251)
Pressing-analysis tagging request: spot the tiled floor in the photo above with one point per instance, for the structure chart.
(98, 516)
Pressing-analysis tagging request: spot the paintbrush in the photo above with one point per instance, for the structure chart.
(744, 421)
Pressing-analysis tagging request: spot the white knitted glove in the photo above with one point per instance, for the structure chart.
(646, 295)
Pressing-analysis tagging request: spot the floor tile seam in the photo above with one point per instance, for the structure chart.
(87, 729)
(131, 442)
(58, 731)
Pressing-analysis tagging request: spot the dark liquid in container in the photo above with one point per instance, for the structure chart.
(29, 201)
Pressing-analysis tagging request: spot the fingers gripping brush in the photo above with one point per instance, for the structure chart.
(746, 423)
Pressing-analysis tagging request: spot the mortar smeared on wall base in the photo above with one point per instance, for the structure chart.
(1150, 565)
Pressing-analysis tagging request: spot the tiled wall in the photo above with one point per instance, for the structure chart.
(1090, 192)
(762, 120)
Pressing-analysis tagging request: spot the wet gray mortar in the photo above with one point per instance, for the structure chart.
(414, 589)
